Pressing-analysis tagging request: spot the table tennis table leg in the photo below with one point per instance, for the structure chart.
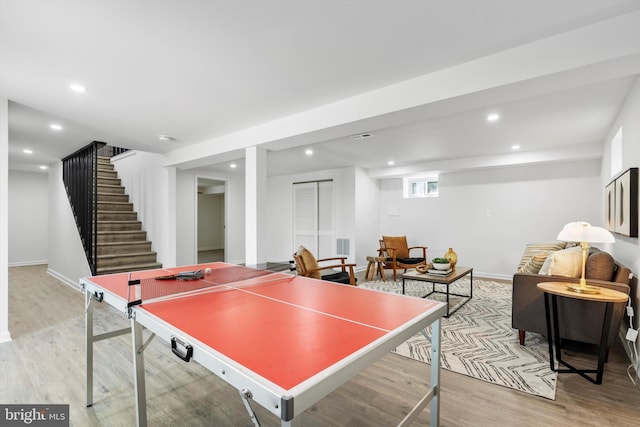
(138, 373)
(88, 343)
(435, 374)
(433, 396)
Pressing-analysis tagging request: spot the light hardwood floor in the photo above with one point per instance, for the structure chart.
(44, 363)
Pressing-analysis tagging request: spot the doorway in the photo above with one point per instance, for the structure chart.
(210, 220)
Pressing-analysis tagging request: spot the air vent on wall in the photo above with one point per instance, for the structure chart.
(362, 135)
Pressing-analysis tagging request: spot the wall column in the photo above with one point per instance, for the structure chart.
(4, 220)
(170, 255)
(255, 204)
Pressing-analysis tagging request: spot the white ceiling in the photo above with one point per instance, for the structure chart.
(199, 70)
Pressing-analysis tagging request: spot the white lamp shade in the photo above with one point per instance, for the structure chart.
(576, 224)
(585, 232)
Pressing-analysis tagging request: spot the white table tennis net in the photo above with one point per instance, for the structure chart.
(171, 286)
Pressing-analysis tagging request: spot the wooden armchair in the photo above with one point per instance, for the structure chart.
(397, 254)
(307, 265)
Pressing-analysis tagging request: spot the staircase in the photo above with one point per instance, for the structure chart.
(122, 245)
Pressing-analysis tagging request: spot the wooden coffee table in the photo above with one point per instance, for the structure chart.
(457, 273)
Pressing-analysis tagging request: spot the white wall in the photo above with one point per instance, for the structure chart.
(626, 249)
(526, 204)
(367, 218)
(4, 219)
(67, 260)
(146, 182)
(28, 217)
(488, 216)
(280, 210)
(186, 190)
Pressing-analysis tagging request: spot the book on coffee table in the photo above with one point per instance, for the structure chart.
(439, 272)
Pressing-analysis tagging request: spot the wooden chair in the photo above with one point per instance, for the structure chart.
(397, 254)
(308, 266)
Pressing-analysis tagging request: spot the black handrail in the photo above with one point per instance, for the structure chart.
(80, 177)
(111, 151)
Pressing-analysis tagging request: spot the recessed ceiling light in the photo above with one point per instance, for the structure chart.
(308, 151)
(233, 166)
(391, 163)
(43, 167)
(493, 117)
(515, 147)
(166, 138)
(27, 151)
(77, 88)
(55, 126)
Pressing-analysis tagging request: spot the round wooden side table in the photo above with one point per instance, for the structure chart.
(553, 290)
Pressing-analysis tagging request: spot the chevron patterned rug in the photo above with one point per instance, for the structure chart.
(478, 340)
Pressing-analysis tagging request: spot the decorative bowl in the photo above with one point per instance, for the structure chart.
(438, 266)
(441, 263)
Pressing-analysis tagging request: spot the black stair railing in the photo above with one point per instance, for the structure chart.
(80, 177)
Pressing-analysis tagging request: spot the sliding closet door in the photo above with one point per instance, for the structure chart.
(305, 216)
(325, 219)
(313, 217)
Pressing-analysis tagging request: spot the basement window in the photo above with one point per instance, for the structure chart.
(420, 187)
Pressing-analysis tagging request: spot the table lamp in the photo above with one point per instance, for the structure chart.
(584, 233)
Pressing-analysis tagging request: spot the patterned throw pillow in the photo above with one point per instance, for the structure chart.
(543, 248)
(533, 265)
(544, 270)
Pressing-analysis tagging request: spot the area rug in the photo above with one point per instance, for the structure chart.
(478, 340)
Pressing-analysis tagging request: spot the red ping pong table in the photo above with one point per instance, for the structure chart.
(283, 341)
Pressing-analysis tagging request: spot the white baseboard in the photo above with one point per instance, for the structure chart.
(496, 276)
(65, 280)
(27, 263)
(5, 336)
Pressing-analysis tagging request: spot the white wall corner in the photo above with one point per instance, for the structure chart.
(4, 220)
